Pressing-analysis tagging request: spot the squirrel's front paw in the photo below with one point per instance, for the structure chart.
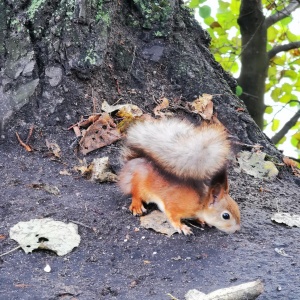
(137, 210)
(186, 230)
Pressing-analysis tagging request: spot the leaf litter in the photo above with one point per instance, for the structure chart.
(46, 234)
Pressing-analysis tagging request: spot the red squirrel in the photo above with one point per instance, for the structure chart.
(182, 169)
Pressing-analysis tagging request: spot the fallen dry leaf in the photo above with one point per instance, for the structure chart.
(46, 234)
(101, 171)
(84, 168)
(65, 172)
(289, 162)
(164, 103)
(128, 108)
(51, 189)
(53, 148)
(287, 219)
(249, 290)
(101, 133)
(157, 221)
(77, 131)
(254, 164)
(203, 106)
(282, 252)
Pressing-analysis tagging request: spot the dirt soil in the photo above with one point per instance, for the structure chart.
(117, 259)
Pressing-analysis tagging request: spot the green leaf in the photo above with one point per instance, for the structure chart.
(282, 141)
(292, 37)
(272, 34)
(234, 67)
(293, 103)
(223, 7)
(279, 60)
(239, 90)
(297, 126)
(269, 110)
(275, 94)
(295, 142)
(275, 124)
(290, 74)
(285, 98)
(286, 20)
(235, 6)
(287, 88)
(204, 11)
(193, 3)
(208, 21)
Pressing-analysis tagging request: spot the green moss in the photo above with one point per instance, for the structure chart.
(91, 57)
(154, 12)
(34, 6)
(101, 13)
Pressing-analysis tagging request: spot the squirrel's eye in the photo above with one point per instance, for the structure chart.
(226, 216)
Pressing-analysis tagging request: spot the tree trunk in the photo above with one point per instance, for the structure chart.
(254, 58)
(61, 59)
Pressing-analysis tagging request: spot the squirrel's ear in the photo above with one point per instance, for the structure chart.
(216, 193)
(220, 179)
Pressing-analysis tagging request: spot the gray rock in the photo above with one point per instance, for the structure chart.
(54, 74)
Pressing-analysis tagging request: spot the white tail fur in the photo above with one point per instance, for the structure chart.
(179, 147)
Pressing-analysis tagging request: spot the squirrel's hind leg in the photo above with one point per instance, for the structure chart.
(136, 207)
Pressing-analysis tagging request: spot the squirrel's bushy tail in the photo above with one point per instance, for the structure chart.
(179, 147)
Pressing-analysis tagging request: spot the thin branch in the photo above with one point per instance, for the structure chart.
(284, 130)
(285, 47)
(285, 12)
(282, 108)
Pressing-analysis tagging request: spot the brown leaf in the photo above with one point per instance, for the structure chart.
(203, 106)
(102, 133)
(289, 162)
(53, 148)
(84, 168)
(77, 131)
(163, 105)
(51, 189)
(157, 221)
(215, 25)
(64, 172)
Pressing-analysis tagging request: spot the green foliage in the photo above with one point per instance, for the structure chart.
(239, 90)
(283, 80)
(204, 11)
(34, 6)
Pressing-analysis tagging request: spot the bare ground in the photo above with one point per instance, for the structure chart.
(115, 260)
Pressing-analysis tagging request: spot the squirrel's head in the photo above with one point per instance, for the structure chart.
(221, 210)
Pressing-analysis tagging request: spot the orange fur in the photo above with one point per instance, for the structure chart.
(176, 199)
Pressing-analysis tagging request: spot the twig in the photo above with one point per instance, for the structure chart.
(29, 134)
(172, 297)
(27, 147)
(79, 223)
(10, 251)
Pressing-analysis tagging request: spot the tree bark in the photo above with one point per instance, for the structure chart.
(254, 58)
(62, 59)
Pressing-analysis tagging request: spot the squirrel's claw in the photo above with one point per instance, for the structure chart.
(186, 230)
(137, 210)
